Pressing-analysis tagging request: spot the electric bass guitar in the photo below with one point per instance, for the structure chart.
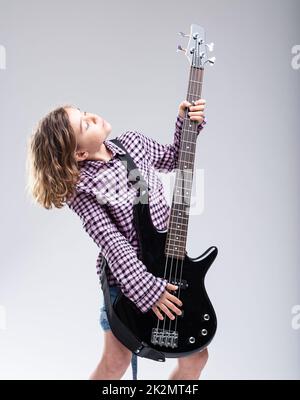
(164, 252)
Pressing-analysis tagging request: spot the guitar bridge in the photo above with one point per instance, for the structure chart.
(162, 337)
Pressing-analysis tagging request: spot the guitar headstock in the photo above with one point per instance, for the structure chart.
(196, 50)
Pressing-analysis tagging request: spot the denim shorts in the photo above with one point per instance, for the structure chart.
(113, 290)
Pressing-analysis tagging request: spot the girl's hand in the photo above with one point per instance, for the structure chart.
(196, 112)
(166, 301)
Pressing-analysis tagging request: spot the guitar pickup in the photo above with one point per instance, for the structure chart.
(181, 284)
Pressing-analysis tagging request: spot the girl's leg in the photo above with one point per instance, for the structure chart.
(115, 359)
(190, 367)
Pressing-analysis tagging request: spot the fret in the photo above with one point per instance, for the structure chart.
(188, 173)
(187, 152)
(174, 250)
(171, 244)
(189, 137)
(174, 230)
(192, 94)
(179, 210)
(179, 255)
(180, 217)
(178, 214)
(177, 225)
(180, 202)
(192, 80)
(192, 133)
(186, 161)
(178, 178)
(187, 204)
(190, 121)
(191, 130)
(176, 236)
(183, 158)
(187, 141)
(184, 183)
(184, 186)
(187, 148)
(175, 233)
(181, 196)
(181, 199)
(177, 229)
(182, 191)
(176, 253)
(184, 165)
(175, 246)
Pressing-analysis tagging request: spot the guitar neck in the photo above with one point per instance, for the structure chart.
(179, 214)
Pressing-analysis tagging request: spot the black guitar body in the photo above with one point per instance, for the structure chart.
(196, 327)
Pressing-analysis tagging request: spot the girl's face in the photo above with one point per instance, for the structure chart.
(91, 131)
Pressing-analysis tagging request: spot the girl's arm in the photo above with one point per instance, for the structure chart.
(164, 157)
(138, 284)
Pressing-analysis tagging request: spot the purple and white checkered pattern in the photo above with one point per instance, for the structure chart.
(104, 202)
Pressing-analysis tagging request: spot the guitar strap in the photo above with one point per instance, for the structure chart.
(129, 340)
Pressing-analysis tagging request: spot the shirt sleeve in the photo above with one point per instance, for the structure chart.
(136, 282)
(164, 157)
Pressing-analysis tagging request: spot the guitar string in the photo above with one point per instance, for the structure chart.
(167, 259)
(191, 159)
(189, 136)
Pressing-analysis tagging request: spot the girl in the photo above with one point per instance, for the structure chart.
(71, 161)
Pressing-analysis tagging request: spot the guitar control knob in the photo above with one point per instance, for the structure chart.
(206, 317)
(192, 339)
(203, 332)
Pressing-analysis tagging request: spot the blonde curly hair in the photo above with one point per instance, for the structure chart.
(52, 168)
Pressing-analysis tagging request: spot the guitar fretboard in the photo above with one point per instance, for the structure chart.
(179, 214)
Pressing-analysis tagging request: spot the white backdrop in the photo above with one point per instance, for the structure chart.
(119, 59)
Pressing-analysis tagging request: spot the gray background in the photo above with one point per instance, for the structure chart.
(119, 59)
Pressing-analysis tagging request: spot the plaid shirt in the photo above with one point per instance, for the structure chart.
(104, 202)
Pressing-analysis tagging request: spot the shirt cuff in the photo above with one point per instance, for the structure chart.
(199, 126)
(150, 298)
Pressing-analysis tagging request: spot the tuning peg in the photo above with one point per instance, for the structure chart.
(210, 46)
(211, 61)
(183, 34)
(180, 48)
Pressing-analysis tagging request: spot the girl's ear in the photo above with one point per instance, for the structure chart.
(81, 155)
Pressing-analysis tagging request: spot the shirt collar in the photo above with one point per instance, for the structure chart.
(113, 147)
(91, 165)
